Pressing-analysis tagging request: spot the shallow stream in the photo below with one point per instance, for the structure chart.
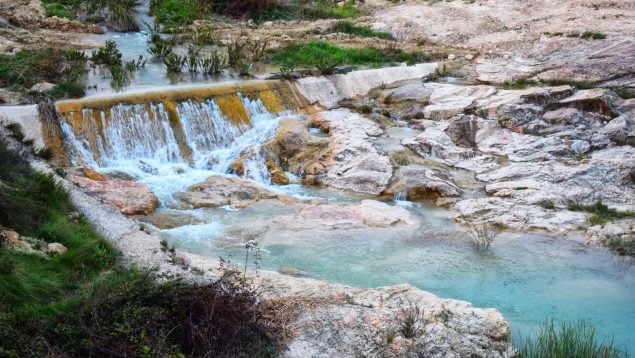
(528, 277)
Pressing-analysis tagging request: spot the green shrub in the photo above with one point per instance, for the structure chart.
(59, 10)
(593, 35)
(28, 67)
(67, 90)
(173, 13)
(568, 339)
(108, 55)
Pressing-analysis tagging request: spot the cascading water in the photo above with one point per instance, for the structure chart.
(174, 143)
(142, 139)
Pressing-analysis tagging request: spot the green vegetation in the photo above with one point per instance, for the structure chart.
(120, 13)
(600, 212)
(79, 303)
(347, 27)
(28, 67)
(59, 10)
(175, 12)
(326, 56)
(308, 10)
(593, 35)
(577, 339)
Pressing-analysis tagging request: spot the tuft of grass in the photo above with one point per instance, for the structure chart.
(593, 35)
(568, 339)
(28, 67)
(348, 27)
(600, 213)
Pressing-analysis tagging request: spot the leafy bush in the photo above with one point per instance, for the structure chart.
(59, 10)
(569, 339)
(173, 13)
(108, 55)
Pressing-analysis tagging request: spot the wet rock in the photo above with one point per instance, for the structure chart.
(128, 197)
(290, 139)
(351, 161)
(218, 191)
(92, 174)
(278, 175)
(367, 214)
(420, 183)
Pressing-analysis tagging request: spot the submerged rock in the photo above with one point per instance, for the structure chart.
(218, 191)
(367, 214)
(128, 197)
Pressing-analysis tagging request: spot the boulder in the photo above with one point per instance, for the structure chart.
(420, 183)
(55, 248)
(217, 191)
(351, 161)
(128, 197)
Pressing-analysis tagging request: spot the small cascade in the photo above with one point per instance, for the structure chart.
(206, 129)
(400, 196)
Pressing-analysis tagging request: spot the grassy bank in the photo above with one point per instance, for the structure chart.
(81, 303)
(326, 56)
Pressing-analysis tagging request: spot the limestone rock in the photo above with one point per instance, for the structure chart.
(351, 160)
(218, 191)
(356, 323)
(55, 248)
(128, 197)
(419, 183)
(367, 214)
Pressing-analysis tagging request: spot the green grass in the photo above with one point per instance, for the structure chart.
(28, 67)
(593, 35)
(325, 56)
(348, 27)
(568, 339)
(82, 304)
(174, 13)
(59, 10)
(34, 205)
(600, 213)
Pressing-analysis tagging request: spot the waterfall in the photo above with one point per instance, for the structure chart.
(165, 136)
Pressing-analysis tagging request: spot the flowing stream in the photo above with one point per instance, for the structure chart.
(528, 277)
